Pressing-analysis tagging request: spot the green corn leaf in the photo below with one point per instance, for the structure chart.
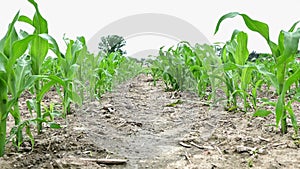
(195, 68)
(246, 78)
(262, 113)
(291, 80)
(10, 29)
(234, 34)
(75, 98)
(267, 101)
(228, 15)
(31, 105)
(45, 88)
(18, 49)
(10, 39)
(23, 79)
(57, 80)
(29, 134)
(242, 53)
(77, 47)
(294, 26)
(291, 41)
(231, 49)
(293, 117)
(262, 69)
(257, 26)
(280, 45)
(254, 25)
(287, 45)
(40, 24)
(38, 52)
(255, 88)
(54, 125)
(26, 19)
(274, 48)
(68, 56)
(27, 84)
(230, 66)
(52, 44)
(3, 63)
(72, 71)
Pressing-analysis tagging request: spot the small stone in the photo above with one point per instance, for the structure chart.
(5, 157)
(261, 151)
(103, 111)
(111, 110)
(243, 149)
(107, 107)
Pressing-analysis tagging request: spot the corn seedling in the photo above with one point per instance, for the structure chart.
(12, 79)
(106, 70)
(177, 67)
(237, 73)
(208, 71)
(69, 68)
(39, 44)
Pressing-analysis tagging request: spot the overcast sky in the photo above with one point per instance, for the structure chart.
(85, 18)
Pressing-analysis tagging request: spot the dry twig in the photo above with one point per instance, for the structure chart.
(106, 161)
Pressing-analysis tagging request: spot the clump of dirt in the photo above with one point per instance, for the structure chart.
(151, 128)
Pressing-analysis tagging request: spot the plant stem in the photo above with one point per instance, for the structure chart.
(39, 116)
(3, 112)
(66, 104)
(17, 118)
(281, 84)
(2, 136)
(38, 108)
(283, 123)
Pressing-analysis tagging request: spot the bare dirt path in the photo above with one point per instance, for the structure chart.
(139, 122)
(151, 128)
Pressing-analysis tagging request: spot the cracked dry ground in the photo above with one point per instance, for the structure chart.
(142, 124)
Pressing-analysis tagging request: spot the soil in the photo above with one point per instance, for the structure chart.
(151, 128)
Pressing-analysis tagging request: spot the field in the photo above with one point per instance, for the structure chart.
(134, 123)
(201, 106)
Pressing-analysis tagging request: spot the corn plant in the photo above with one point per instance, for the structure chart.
(69, 67)
(108, 63)
(176, 66)
(12, 79)
(189, 68)
(237, 72)
(23, 81)
(284, 52)
(128, 69)
(39, 44)
(207, 70)
(88, 74)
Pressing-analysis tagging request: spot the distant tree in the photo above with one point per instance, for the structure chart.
(112, 43)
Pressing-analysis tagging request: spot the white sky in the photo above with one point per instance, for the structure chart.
(85, 18)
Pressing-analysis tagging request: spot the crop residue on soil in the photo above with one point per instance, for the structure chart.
(151, 128)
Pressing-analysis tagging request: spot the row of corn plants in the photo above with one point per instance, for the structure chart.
(32, 62)
(283, 75)
(238, 76)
